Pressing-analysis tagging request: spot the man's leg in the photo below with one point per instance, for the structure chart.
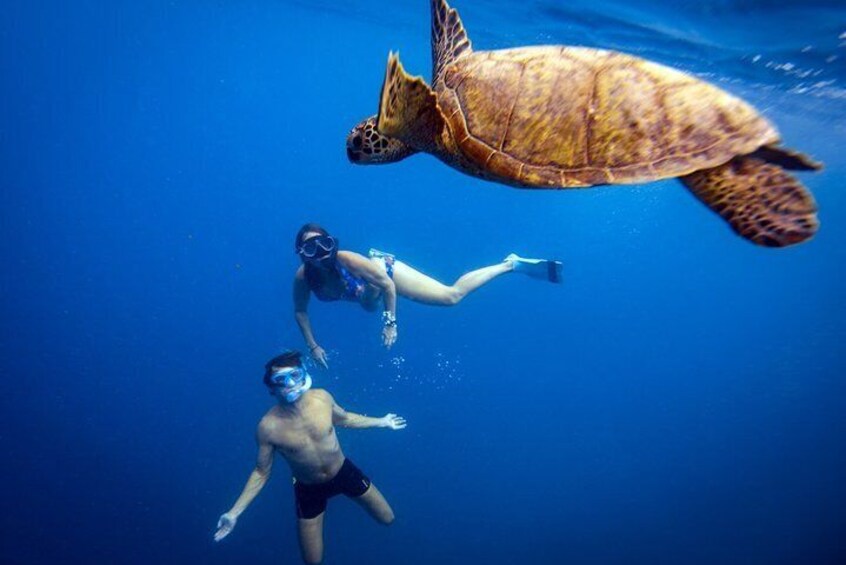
(376, 505)
(311, 538)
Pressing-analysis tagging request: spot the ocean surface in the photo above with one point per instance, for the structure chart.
(680, 398)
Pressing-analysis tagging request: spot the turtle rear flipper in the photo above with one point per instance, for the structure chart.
(449, 40)
(760, 200)
(408, 108)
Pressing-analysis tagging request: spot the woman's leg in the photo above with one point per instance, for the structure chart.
(415, 285)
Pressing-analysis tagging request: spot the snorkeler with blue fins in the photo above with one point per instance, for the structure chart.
(301, 428)
(333, 274)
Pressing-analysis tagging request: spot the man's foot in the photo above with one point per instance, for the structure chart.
(536, 268)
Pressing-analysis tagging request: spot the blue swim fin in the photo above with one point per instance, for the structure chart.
(543, 269)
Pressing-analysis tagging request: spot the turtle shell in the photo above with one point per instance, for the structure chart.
(570, 116)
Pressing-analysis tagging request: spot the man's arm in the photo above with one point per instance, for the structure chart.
(258, 478)
(344, 419)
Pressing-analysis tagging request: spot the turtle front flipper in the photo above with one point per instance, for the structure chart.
(760, 200)
(449, 40)
(408, 108)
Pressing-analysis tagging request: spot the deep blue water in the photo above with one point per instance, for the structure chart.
(679, 399)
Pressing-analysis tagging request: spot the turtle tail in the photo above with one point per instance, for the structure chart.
(759, 199)
(786, 158)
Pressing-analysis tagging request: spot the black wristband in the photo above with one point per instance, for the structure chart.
(389, 319)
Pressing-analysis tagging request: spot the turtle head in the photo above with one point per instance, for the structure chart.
(366, 146)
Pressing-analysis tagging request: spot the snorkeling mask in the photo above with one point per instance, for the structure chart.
(318, 248)
(290, 383)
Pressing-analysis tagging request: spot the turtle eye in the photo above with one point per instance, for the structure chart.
(357, 141)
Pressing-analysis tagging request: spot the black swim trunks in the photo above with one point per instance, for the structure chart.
(311, 499)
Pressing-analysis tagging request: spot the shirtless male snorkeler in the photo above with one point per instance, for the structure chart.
(301, 427)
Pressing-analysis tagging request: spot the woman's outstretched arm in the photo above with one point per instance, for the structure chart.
(301, 296)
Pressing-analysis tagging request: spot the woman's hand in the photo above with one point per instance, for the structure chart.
(389, 335)
(225, 525)
(319, 355)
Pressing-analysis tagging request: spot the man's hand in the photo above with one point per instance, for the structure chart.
(319, 355)
(393, 421)
(225, 525)
(389, 336)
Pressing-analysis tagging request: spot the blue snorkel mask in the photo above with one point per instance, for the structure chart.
(290, 383)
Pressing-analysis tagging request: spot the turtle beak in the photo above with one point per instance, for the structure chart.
(353, 156)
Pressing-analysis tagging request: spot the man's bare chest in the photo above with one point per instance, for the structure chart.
(313, 434)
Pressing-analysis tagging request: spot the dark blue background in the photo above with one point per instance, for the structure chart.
(679, 399)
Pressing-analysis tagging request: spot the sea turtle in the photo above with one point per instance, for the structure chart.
(566, 117)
